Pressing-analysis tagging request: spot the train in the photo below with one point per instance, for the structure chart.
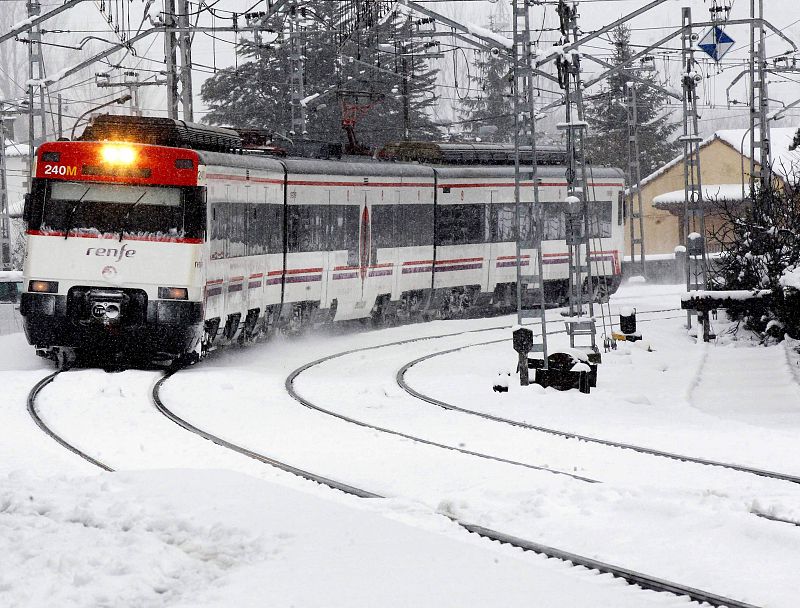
(158, 239)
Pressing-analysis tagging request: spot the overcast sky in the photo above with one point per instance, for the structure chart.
(86, 19)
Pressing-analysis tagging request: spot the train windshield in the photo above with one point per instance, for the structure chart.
(89, 208)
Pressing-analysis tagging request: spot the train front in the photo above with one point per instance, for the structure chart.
(114, 262)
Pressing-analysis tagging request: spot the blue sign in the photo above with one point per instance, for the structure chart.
(716, 43)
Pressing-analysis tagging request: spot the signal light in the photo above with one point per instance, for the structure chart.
(118, 155)
(43, 286)
(173, 293)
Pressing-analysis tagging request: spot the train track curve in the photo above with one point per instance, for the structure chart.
(632, 577)
(401, 381)
(34, 413)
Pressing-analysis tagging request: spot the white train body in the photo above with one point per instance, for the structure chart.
(250, 243)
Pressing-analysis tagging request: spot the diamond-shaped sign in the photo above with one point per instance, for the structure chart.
(716, 43)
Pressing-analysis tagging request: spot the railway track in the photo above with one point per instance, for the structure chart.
(400, 378)
(34, 413)
(632, 577)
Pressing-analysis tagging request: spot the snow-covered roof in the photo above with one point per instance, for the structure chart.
(15, 149)
(711, 193)
(785, 162)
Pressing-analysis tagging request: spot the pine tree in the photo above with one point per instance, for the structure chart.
(255, 93)
(493, 106)
(607, 141)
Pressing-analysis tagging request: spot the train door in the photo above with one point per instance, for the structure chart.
(329, 261)
(490, 229)
(398, 230)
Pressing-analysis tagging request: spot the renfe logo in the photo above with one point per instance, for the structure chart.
(112, 252)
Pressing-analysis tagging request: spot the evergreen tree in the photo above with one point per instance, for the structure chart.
(256, 92)
(607, 141)
(493, 105)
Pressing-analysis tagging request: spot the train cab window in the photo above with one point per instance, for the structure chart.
(94, 208)
(460, 224)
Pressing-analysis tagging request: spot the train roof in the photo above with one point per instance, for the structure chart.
(226, 147)
(367, 168)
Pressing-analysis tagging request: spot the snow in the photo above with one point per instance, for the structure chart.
(15, 149)
(187, 523)
(490, 35)
(712, 193)
(735, 294)
(790, 278)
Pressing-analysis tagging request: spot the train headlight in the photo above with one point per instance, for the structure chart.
(173, 293)
(43, 286)
(118, 155)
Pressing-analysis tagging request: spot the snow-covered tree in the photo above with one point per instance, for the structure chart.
(760, 243)
(491, 104)
(256, 92)
(607, 141)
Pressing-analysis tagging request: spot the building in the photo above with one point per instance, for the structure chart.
(725, 169)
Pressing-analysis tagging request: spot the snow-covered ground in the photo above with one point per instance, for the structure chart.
(185, 522)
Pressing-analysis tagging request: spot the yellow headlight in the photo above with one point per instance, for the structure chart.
(120, 155)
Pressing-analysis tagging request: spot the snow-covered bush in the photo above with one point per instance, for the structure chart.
(760, 242)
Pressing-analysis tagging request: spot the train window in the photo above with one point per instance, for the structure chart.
(305, 229)
(413, 225)
(460, 224)
(600, 218)
(555, 223)
(504, 223)
(257, 229)
(383, 227)
(237, 233)
(275, 223)
(620, 208)
(343, 230)
(219, 229)
(194, 222)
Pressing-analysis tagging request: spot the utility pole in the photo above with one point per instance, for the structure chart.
(178, 41)
(296, 73)
(5, 221)
(759, 102)
(578, 187)
(636, 216)
(528, 215)
(694, 228)
(35, 75)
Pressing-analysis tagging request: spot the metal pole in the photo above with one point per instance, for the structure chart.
(296, 74)
(185, 46)
(170, 56)
(635, 179)
(5, 224)
(60, 117)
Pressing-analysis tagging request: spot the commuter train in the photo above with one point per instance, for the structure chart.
(160, 239)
